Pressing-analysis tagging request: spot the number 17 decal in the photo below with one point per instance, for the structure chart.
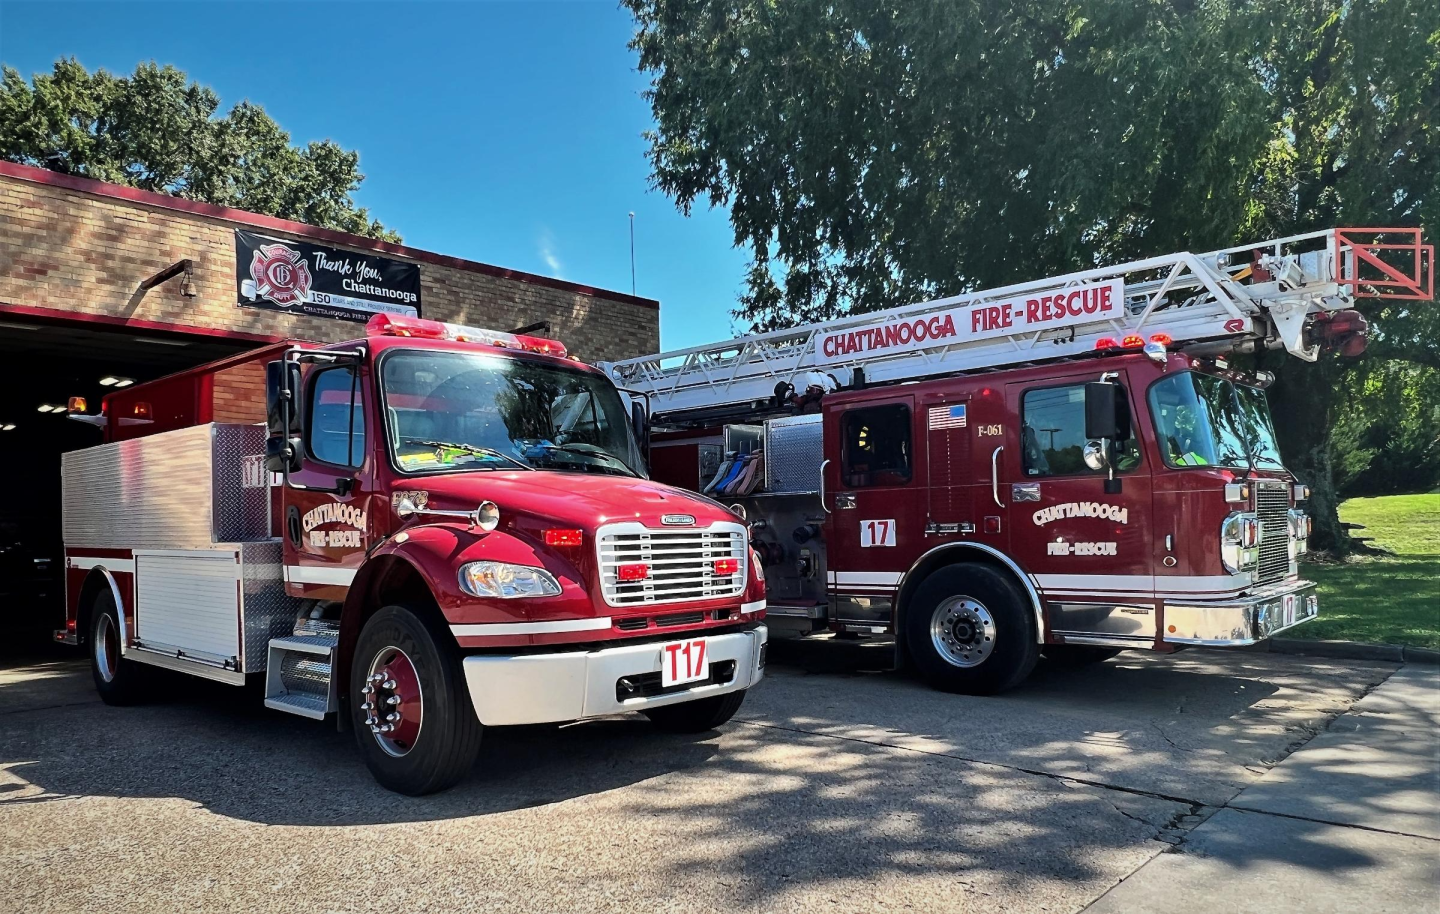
(877, 533)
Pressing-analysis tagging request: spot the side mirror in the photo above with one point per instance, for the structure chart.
(640, 423)
(1096, 455)
(1102, 418)
(282, 455)
(275, 397)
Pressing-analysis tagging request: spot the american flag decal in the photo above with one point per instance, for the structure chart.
(947, 416)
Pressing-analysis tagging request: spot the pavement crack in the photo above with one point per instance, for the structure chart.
(1166, 737)
(1286, 815)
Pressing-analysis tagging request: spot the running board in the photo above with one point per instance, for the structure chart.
(298, 676)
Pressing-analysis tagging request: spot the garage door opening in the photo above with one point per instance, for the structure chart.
(44, 362)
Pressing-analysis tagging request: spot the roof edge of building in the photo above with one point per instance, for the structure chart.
(96, 188)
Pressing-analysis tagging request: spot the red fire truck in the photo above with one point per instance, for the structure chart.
(429, 530)
(1072, 466)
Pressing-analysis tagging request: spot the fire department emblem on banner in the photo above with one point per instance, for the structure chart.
(280, 274)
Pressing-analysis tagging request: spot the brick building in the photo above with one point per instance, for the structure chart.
(99, 282)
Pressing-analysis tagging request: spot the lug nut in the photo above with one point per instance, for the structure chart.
(388, 684)
(393, 700)
(386, 728)
(367, 706)
(393, 716)
(377, 677)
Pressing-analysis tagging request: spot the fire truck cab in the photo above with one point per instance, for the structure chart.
(428, 530)
(1073, 466)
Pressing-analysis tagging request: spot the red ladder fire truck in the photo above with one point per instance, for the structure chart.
(1071, 466)
(428, 530)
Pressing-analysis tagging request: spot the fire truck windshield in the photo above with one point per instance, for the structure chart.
(449, 411)
(1203, 420)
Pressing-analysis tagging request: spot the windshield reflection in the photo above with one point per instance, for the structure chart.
(474, 411)
(1203, 420)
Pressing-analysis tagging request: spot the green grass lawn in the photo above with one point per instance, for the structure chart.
(1384, 599)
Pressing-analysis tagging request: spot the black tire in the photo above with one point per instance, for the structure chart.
(986, 622)
(1078, 654)
(447, 739)
(120, 682)
(699, 715)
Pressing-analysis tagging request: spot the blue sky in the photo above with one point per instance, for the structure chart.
(508, 133)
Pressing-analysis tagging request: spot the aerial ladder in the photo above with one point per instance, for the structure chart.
(1296, 293)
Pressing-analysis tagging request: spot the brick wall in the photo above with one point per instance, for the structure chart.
(239, 394)
(84, 247)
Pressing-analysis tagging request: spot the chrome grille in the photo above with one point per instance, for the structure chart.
(681, 563)
(1272, 506)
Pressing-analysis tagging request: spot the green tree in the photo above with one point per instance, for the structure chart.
(157, 131)
(877, 152)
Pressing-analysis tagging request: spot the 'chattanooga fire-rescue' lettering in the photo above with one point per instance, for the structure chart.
(333, 513)
(1098, 304)
(872, 338)
(1082, 509)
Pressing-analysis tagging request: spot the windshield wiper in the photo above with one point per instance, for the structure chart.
(590, 450)
(473, 449)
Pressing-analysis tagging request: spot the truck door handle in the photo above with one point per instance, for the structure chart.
(995, 476)
(823, 465)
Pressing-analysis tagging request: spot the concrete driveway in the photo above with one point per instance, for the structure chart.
(839, 789)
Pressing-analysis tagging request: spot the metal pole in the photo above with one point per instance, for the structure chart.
(632, 253)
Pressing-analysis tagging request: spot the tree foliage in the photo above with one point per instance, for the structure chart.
(878, 152)
(158, 131)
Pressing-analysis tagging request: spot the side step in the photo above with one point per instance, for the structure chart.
(297, 676)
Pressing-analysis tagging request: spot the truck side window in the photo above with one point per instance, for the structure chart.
(875, 446)
(1053, 434)
(336, 431)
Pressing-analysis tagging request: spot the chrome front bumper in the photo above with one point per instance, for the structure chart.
(1241, 621)
(574, 685)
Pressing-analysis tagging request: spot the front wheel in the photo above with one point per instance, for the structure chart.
(409, 705)
(699, 715)
(969, 629)
(118, 681)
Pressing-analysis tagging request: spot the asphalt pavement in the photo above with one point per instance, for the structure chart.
(840, 787)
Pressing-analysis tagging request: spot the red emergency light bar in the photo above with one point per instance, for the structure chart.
(1133, 341)
(420, 328)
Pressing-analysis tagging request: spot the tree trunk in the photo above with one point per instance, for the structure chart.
(1303, 403)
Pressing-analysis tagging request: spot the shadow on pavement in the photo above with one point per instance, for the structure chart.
(799, 800)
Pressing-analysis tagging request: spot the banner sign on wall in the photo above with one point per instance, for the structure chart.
(302, 278)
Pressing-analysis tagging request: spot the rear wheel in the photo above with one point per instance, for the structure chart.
(699, 715)
(969, 629)
(1078, 654)
(119, 681)
(409, 705)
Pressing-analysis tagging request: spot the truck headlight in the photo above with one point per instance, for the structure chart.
(1240, 542)
(506, 581)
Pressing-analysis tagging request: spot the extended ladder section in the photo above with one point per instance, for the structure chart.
(1271, 294)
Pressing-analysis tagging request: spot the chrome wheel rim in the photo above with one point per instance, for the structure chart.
(393, 703)
(962, 631)
(107, 647)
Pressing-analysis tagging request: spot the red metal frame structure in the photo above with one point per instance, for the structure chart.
(1417, 285)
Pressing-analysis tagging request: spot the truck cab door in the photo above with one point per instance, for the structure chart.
(1090, 551)
(875, 493)
(326, 533)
